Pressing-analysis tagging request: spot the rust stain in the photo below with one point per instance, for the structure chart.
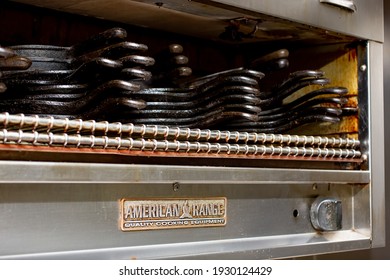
(352, 55)
(157, 154)
(342, 72)
(352, 102)
(347, 125)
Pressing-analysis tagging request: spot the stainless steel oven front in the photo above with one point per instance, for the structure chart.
(75, 188)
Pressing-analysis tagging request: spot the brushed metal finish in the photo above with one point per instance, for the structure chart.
(52, 218)
(326, 214)
(313, 13)
(33, 172)
(377, 146)
(348, 4)
(70, 210)
(271, 247)
(366, 22)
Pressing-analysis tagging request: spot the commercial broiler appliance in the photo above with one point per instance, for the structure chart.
(256, 133)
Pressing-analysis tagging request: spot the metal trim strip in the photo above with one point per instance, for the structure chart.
(49, 172)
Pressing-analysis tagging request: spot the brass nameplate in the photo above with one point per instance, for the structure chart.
(150, 214)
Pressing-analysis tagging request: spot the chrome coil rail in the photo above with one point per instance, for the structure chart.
(47, 131)
(104, 142)
(50, 124)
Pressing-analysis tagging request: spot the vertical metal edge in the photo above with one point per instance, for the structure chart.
(377, 147)
(121, 213)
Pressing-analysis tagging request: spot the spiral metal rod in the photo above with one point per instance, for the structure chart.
(50, 124)
(119, 143)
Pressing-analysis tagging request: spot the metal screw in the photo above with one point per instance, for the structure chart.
(175, 186)
(363, 67)
(315, 187)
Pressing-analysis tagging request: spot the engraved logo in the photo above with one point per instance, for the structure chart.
(146, 214)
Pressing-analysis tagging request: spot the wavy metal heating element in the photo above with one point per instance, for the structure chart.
(154, 132)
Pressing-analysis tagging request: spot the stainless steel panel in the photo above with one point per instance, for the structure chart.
(71, 210)
(32, 172)
(207, 19)
(366, 22)
(376, 140)
(53, 220)
(255, 248)
(347, 4)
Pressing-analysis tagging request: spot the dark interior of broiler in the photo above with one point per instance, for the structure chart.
(256, 87)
